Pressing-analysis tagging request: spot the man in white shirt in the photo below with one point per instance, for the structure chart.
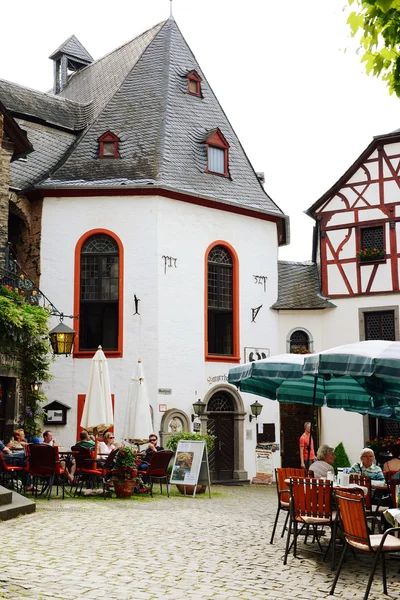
(48, 439)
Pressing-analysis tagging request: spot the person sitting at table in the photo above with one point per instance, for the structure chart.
(148, 453)
(107, 446)
(48, 438)
(394, 463)
(85, 440)
(12, 458)
(323, 464)
(18, 441)
(367, 467)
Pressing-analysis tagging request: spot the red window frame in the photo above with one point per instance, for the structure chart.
(194, 76)
(109, 138)
(235, 357)
(77, 288)
(217, 140)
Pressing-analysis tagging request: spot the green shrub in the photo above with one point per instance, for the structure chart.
(172, 443)
(341, 458)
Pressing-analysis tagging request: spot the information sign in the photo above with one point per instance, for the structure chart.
(190, 465)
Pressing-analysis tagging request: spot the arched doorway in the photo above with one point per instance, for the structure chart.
(224, 419)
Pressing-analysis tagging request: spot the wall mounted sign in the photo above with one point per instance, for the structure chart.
(162, 408)
(56, 413)
(165, 391)
(252, 354)
(217, 379)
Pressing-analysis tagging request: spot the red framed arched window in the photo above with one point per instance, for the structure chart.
(194, 84)
(98, 293)
(221, 299)
(217, 154)
(108, 145)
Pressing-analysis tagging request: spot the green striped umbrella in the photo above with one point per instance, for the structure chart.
(374, 363)
(281, 378)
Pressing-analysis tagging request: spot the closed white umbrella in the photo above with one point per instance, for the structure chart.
(98, 413)
(138, 426)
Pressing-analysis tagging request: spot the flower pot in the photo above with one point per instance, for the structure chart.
(125, 489)
(200, 489)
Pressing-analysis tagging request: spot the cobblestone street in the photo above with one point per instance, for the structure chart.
(175, 548)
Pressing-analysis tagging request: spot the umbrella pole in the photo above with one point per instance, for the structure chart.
(311, 421)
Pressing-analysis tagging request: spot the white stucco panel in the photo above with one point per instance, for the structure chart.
(351, 274)
(392, 149)
(371, 195)
(340, 218)
(336, 237)
(359, 175)
(349, 249)
(383, 278)
(335, 203)
(391, 192)
(373, 169)
(365, 272)
(371, 214)
(336, 283)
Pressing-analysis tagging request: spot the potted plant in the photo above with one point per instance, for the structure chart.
(371, 254)
(172, 444)
(124, 472)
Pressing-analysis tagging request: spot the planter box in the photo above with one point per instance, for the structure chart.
(371, 260)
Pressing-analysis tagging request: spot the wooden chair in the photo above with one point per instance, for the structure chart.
(371, 508)
(311, 505)
(282, 489)
(157, 469)
(356, 535)
(392, 485)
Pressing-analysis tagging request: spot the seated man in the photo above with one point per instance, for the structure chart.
(148, 453)
(324, 462)
(86, 440)
(48, 439)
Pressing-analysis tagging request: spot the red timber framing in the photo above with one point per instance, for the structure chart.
(371, 184)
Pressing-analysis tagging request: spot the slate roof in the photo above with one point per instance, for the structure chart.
(138, 92)
(299, 287)
(73, 48)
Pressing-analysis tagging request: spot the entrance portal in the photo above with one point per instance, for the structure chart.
(221, 425)
(293, 417)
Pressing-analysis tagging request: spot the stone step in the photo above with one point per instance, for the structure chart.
(18, 505)
(5, 496)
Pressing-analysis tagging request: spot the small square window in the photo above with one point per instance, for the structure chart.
(108, 148)
(193, 86)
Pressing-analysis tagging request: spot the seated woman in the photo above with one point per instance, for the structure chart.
(394, 463)
(324, 462)
(107, 446)
(18, 442)
(367, 467)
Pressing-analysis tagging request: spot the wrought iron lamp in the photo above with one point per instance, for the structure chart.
(199, 407)
(35, 385)
(256, 409)
(62, 338)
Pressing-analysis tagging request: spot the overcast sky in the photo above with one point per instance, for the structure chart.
(302, 106)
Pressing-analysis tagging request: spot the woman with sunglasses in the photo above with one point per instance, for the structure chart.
(107, 445)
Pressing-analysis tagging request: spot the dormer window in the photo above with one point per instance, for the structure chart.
(194, 84)
(108, 145)
(217, 154)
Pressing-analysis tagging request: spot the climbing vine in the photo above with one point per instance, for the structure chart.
(24, 346)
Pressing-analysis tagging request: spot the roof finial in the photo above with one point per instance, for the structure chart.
(170, 9)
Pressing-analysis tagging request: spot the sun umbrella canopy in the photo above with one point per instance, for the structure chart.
(138, 424)
(97, 412)
(281, 377)
(375, 363)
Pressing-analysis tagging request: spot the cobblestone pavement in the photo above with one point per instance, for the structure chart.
(177, 548)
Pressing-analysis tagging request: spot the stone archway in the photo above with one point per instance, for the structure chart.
(173, 421)
(226, 417)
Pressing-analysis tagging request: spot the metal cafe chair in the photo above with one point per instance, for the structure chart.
(311, 506)
(282, 489)
(88, 472)
(353, 519)
(392, 485)
(9, 474)
(43, 464)
(157, 469)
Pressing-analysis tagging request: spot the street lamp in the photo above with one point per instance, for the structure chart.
(35, 385)
(256, 409)
(62, 339)
(199, 407)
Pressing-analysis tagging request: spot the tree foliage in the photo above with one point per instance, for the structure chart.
(377, 23)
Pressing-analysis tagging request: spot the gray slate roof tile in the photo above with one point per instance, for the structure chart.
(299, 287)
(73, 48)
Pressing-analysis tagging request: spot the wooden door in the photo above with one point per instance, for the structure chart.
(221, 458)
(293, 417)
